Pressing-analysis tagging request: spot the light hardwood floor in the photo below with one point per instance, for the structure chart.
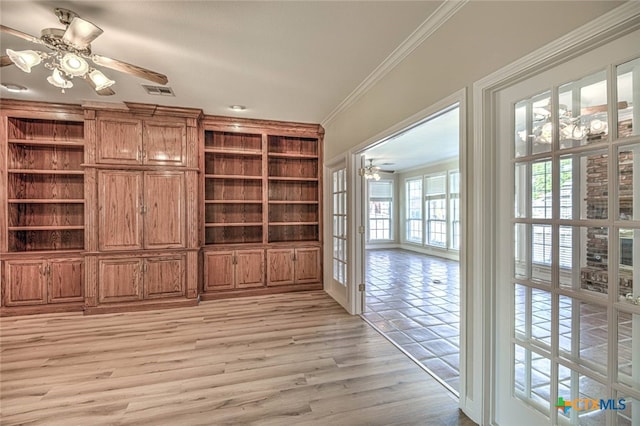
(290, 359)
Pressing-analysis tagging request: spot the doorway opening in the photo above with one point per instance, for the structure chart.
(412, 221)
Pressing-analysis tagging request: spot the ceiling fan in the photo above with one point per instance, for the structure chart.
(71, 55)
(373, 172)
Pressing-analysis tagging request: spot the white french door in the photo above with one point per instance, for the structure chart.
(568, 235)
(336, 249)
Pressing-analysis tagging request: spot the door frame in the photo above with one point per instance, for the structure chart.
(480, 400)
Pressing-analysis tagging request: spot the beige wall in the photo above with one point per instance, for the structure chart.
(480, 38)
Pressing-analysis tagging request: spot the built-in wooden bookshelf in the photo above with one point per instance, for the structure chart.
(233, 183)
(45, 185)
(262, 207)
(293, 189)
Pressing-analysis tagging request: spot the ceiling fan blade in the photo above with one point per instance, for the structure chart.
(130, 69)
(102, 92)
(4, 61)
(80, 33)
(20, 34)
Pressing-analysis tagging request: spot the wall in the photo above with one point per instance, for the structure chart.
(480, 38)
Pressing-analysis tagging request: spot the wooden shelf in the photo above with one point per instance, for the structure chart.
(45, 189)
(292, 155)
(222, 151)
(239, 177)
(233, 201)
(292, 223)
(219, 224)
(45, 228)
(292, 202)
(46, 172)
(293, 179)
(49, 142)
(45, 201)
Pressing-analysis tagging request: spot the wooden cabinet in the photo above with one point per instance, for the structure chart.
(143, 240)
(42, 207)
(231, 269)
(293, 266)
(141, 142)
(141, 210)
(38, 281)
(261, 187)
(127, 279)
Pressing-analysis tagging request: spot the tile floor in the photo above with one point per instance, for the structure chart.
(415, 300)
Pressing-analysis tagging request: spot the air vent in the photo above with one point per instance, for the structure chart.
(159, 90)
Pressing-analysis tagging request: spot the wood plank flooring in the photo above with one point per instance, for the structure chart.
(291, 359)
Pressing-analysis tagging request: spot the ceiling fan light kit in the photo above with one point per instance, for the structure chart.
(71, 53)
(25, 59)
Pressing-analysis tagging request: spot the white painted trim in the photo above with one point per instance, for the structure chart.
(479, 402)
(443, 13)
(378, 246)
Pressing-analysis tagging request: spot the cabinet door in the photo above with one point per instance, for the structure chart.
(165, 143)
(25, 282)
(119, 201)
(164, 199)
(218, 270)
(164, 276)
(65, 280)
(280, 267)
(307, 265)
(249, 268)
(120, 280)
(119, 141)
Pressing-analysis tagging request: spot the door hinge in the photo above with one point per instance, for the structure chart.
(361, 229)
(361, 171)
(361, 287)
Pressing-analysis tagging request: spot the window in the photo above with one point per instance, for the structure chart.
(436, 209)
(414, 210)
(340, 226)
(380, 207)
(454, 210)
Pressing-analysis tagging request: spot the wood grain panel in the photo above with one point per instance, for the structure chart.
(42, 129)
(164, 218)
(34, 157)
(45, 186)
(307, 265)
(66, 277)
(218, 270)
(164, 276)
(165, 143)
(120, 280)
(250, 270)
(25, 282)
(119, 141)
(46, 214)
(280, 266)
(119, 201)
(290, 359)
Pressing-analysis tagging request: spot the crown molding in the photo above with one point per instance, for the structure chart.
(443, 13)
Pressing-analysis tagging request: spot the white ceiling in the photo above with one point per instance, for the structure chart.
(435, 140)
(284, 60)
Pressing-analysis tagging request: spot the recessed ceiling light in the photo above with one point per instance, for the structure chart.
(238, 107)
(14, 87)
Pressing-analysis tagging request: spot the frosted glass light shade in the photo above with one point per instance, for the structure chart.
(24, 59)
(74, 65)
(58, 80)
(100, 80)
